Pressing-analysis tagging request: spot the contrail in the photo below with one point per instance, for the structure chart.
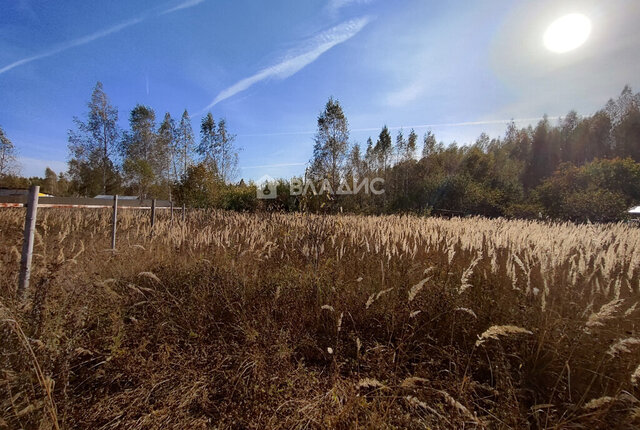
(265, 166)
(317, 46)
(77, 42)
(97, 35)
(184, 5)
(408, 127)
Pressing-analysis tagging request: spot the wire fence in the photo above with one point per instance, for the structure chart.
(33, 201)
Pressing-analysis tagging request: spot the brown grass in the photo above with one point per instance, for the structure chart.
(302, 321)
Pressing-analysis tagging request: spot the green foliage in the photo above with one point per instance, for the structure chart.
(200, 187)
(598, 191)
(582, 168)
(331, 144)
(241, 198)
(92, 148)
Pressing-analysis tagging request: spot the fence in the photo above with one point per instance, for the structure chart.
(33, 201)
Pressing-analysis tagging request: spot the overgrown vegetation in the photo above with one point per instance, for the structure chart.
(263, 320)
(579, 169)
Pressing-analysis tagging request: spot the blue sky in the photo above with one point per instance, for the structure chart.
(455, 67)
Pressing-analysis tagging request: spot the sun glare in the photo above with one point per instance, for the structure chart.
(567, 33)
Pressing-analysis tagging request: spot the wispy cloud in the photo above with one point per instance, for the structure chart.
(94, 36)
(73, 43)
(336, 5)
(183, 5)
(405, 95)
(294, 62)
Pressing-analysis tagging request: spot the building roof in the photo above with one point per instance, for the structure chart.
(110, 196)
(634, 210)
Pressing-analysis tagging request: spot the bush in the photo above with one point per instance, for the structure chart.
(598, 191)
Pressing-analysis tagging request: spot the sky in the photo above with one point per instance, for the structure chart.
(457, 68)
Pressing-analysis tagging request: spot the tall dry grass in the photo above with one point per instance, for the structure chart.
(305, 321)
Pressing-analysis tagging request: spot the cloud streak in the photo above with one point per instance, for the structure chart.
(183, 5)
(295, 62)
(336, 5)
(76, 42)
(405, 95)
(94, 36)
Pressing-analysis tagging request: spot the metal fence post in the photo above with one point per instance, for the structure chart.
(27, 244)
(153, 212)
(114, 222)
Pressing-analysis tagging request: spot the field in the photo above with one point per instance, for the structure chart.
(306, 321)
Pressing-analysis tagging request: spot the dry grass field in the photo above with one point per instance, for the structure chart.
(305, 321)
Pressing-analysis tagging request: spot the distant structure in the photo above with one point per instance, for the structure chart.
(634, 211)
(109, 196)
(12, 192)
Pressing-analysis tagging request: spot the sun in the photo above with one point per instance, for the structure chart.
(567, 33)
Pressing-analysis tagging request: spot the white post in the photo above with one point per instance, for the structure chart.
(27, 244)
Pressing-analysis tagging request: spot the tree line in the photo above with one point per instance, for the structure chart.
(580, 168)
(146, 160)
